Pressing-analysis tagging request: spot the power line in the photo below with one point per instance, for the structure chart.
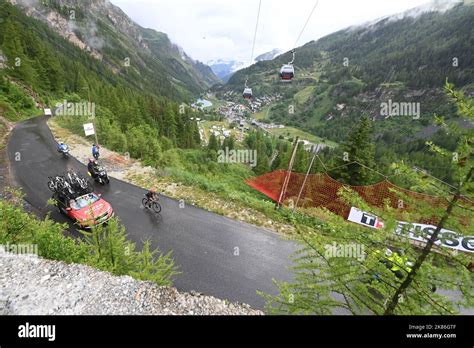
(362, 165)
(322, 163)
(387, 177)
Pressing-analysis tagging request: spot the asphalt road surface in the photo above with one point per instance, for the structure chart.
(216, 255)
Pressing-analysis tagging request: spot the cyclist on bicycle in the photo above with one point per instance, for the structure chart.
(152, 196)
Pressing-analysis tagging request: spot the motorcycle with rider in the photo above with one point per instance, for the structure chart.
(63, 149)
(98, 173)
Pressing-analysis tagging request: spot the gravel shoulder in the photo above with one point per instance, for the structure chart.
(30, 285)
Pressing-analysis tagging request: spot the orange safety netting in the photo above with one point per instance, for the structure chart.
(321, 190)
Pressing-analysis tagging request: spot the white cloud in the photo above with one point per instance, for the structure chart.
(213, 29)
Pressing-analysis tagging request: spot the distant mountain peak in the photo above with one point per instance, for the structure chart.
(225, 68)
(269, 55)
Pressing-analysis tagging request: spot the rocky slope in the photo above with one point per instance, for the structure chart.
(109, 35)
(30, 285)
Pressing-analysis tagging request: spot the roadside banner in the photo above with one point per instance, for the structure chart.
(89, 129)
(416, 231)
(446, 238)
(362, 218)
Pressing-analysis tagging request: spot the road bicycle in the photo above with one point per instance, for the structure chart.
(151, 204)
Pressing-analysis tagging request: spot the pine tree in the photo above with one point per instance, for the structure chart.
(359, 148)
(154, 113)
(463, 166)
(301, 159)
(213, 143)
(196, 135)
(169, 122)
(229, 143)
(80, 85)
(283, 157)
(110, 250)
(154, 266)
(14, 50)
(329, 279)
(262, 165)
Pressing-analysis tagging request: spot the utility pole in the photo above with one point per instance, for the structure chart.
(93, 116)
(288, 174)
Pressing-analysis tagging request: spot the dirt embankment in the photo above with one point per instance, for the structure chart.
(5, 129)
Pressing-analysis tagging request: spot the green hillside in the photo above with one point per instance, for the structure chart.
(147, 58)
(351, 72)
(131, 105)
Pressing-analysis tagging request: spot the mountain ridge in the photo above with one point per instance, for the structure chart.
(269, 55)
(352, 72)
(103, 30)
(343, 56)
(225, 68)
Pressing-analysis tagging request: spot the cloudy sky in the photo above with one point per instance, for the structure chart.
(224, 29)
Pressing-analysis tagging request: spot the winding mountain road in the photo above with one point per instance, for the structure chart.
(216, 255)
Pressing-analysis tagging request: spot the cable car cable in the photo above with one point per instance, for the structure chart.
(293, 59)
(256, 29)
(307, 21)
(247, 90)
(287, 71)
